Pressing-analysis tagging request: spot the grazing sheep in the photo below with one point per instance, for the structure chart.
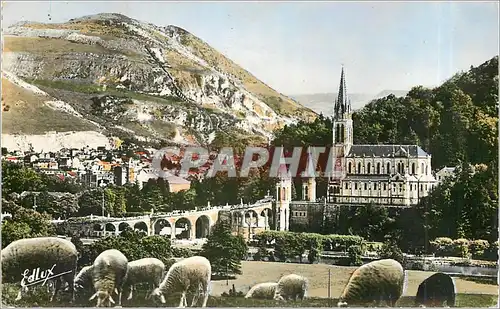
(109, 272)
(193, 273)
(291, 287)
(83, 282)
(436, 290)
(148, 270)
(23, 256)
(263, 290)
(374, 282)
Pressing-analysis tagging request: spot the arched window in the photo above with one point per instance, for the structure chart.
(422, 168)
(359, 168)
(399, 168)
(283, 194)
(402, 167)
(349, 168)
(413, 168)
(388, 168)
(306, 191)
(369, 168)
(427, 170)
(378, 168)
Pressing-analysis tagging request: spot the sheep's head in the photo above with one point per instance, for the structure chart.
(341, 304)
(157, 294)
(104, 299)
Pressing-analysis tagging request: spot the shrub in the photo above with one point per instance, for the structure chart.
(355, 253)
(390, 250)
(293, 243)
(444, 246)
(460, 248)
(261, 254)
(440, 245)
(477, 248)
(491, 254)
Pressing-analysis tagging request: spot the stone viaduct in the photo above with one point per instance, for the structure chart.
(245, 219)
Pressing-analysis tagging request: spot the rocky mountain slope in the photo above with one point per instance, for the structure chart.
(113, 75)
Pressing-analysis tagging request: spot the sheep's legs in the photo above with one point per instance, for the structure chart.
(205, 299)
(57, 287)
(182, 303)
(131, 289)
(19, 294)
(196, 297)
(120, 292)
(69, 278)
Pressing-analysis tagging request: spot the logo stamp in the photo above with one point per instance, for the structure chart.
(37, 276)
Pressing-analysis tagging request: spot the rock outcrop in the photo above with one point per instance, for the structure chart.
(132, 76)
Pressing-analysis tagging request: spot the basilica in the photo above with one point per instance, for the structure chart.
(397, 175)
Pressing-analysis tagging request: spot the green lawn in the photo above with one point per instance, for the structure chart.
(40, 299)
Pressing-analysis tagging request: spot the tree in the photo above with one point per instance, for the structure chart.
(390, 250)
(25, 223)
(224, 250)
(372, 222)
(12, 231)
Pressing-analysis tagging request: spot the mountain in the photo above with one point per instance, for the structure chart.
(323, 102)
(396, 93)
(110, 75)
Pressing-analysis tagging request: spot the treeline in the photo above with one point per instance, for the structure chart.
(133, 244)
(127, 200)
(455, 122)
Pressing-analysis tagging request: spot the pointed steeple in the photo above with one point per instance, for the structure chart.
(342, 105)
(310, 171)
(283, 172)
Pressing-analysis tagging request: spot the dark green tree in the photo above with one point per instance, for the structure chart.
(224, 250)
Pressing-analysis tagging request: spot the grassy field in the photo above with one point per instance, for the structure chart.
(48, 45)
(256, 272)
(25, 112)
(470, 293)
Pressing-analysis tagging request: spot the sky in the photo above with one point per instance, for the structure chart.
(299, 47)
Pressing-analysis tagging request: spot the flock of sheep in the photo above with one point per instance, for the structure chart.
(111, 274)
(370, 284)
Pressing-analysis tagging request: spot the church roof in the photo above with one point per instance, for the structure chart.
(397, 151)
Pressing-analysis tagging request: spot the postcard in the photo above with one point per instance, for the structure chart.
(249, 154)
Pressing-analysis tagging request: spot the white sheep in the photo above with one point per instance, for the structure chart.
(46, 253)
(193, 273)
(83, 281)
(263, 290)
(109, 272)
(291, 287)
(374, 282)
(147, 270)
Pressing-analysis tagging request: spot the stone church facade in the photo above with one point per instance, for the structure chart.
(385, 175)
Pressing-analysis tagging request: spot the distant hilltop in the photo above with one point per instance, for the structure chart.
(323, 102)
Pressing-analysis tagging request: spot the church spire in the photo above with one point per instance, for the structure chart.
(342, 105)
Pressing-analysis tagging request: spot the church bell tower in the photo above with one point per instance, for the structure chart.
(342, 138)
(283, 198)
